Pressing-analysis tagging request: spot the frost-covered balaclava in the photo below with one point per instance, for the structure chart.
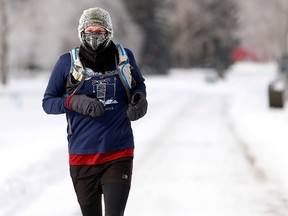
(95, 16)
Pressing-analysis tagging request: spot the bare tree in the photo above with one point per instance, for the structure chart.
(282, 7)
(3, 43)
(47, 30)
(263, 27)
(200, 30)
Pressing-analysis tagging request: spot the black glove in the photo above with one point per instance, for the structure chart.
(86, 105)
(137, 107)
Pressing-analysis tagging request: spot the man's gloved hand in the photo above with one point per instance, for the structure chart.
(137, 107)
(85, 105)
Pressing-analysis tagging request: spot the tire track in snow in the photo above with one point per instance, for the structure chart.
(254, 175)
(167, 117)
(280, 206)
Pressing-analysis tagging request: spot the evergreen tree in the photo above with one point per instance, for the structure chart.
(220, 33)
(154, 52)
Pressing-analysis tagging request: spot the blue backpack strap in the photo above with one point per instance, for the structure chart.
(77, 70)
(77, 75)
(124, 69)
(75, 80)
(74, 56)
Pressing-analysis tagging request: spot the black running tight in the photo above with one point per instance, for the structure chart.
(115, 198)
(111, 181)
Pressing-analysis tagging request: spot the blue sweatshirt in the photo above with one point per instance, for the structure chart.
(108, 133)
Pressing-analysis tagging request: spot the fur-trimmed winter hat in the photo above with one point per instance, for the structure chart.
(95, 16)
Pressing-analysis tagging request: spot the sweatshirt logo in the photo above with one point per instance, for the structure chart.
(125, 176)
(105, 90)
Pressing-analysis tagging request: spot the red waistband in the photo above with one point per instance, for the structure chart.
(93, 159)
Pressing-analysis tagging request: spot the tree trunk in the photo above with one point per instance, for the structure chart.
(3, 43)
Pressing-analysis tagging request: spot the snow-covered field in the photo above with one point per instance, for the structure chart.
(204, 148)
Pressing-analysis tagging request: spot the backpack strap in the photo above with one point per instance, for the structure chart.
(124, 70)
(76, 76)
(77, 69)
(75, 80)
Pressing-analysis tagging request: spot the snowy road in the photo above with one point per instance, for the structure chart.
(203, 149)
(199, 165)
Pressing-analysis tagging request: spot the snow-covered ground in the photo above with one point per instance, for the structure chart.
(204, 148)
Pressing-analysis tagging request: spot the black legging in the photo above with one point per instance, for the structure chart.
(112, 179)
(115, 198)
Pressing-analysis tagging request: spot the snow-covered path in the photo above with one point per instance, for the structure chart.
(197, 164)
(203, 149)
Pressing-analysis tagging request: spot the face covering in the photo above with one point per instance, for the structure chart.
(95, 39)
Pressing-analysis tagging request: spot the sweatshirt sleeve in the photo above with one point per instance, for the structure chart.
(54, 101)
(138, 78)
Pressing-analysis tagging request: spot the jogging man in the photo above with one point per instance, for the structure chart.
(100, 89)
